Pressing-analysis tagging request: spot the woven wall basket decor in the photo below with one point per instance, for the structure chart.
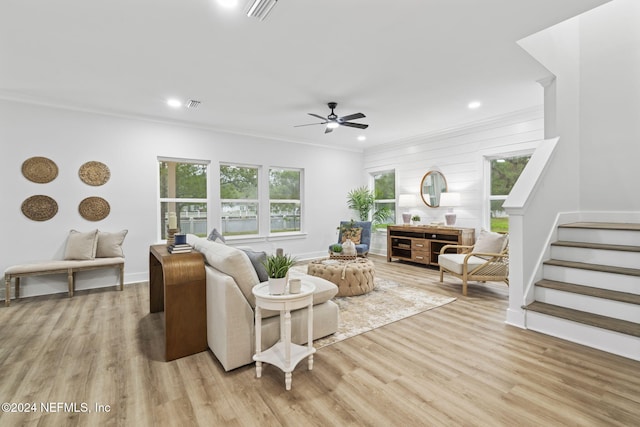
(94, 173)
(94, 208)
(40, 170)
(39, 208)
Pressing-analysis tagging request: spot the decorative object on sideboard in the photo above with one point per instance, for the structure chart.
(39, 208)
(407, 201)
(171, 239)
(94, 173)
(94, 208)
(415, 220)
(432, 185)
(450, 200)
(39, 169)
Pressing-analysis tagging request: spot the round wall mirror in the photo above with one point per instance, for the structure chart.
(432, 185)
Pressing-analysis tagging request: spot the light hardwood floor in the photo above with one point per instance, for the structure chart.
(459, 364)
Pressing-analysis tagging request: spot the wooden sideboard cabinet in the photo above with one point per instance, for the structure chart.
(422, 243)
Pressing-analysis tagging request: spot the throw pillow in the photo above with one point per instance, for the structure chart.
(490, 242)
(258, 259)
(215, 236)
(352, 233)
(110, 244)
(81, 245)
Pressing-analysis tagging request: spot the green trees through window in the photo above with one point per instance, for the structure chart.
(504, 174)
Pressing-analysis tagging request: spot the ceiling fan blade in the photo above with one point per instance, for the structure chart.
(328, 130)
(354, 125)
(318, 116)
(352, 117)
(310, 124)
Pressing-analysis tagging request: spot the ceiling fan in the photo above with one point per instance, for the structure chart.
(333, 121)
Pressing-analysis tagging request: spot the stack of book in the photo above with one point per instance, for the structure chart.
(182, 248)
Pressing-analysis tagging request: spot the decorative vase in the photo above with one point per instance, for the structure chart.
(349, 248)
(277, 286)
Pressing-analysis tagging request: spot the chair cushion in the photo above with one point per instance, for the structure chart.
(490, 242)
(454, 262)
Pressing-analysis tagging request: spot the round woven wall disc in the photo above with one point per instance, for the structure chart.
(94, 208)
(39, 169)
(94, 173)
(39, 208)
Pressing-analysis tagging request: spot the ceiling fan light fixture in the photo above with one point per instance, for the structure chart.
(261, 8)
(333, 125)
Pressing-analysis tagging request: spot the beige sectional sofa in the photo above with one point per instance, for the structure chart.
(230, 276)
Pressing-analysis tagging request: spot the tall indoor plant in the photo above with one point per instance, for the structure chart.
(362, 200)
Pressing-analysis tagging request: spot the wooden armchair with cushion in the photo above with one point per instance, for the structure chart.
(486, 261)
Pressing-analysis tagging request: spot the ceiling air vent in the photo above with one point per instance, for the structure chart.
(192, 103)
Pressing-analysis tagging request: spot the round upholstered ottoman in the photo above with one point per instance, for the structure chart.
(352, 277)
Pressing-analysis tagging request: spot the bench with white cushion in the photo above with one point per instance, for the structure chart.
(84, 251)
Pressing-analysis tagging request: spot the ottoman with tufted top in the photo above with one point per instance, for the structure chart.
(353, 277)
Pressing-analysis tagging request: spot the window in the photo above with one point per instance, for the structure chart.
(183, 191)
(504, 173)
(384, 206)
(239, 200)
(284, 200)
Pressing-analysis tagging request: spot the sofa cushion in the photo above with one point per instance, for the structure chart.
(258, 259)
(81, 245)
(454, 262)
(215, 236)
(325, 290)
(110, 244)
(231, 261)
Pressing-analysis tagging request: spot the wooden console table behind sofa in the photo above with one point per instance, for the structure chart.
(177, 286)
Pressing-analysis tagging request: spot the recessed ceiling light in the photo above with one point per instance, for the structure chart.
(228, 3)
(175, 103)
(362, 138)
(474, 104)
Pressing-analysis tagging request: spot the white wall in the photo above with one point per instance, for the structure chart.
(610, 107)
(459, 154)
(130, 149)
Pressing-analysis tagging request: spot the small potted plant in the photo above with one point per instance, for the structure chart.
(415, 219)
(336, 249)
(277, 267)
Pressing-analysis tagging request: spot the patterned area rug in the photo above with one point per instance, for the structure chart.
(387, 303)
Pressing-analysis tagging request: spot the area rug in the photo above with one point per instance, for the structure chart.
(387, 303)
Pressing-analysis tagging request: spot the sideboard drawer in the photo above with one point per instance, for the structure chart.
(420, 256)
(419, 245)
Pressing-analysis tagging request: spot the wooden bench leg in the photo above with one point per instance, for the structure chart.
(70, 279)
(7, 291)
(122, 277)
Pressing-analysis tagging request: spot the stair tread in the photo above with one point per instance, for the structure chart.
(594, 267)
(625, 297)
(597, 320)
(604, 246)
(603, 225)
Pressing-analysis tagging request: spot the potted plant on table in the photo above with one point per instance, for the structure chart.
(277, 267)
(415, 219)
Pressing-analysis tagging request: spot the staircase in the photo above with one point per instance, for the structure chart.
(590, 291)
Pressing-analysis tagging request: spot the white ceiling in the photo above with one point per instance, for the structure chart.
(411, 66)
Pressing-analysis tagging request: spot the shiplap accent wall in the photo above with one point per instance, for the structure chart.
(460, 155)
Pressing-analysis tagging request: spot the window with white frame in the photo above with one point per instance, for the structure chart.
(284, 200)
(239, 200)
(384, 206)
(183, 192)
(503, 174)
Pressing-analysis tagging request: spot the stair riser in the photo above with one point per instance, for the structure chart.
(611, 237)
(597, 279)
(596, 256)
(589, 304)
(612, 342)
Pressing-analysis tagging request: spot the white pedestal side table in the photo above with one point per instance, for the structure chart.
(284, 354)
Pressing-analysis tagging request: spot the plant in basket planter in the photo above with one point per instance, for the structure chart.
(277, 267)
(336, 249)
